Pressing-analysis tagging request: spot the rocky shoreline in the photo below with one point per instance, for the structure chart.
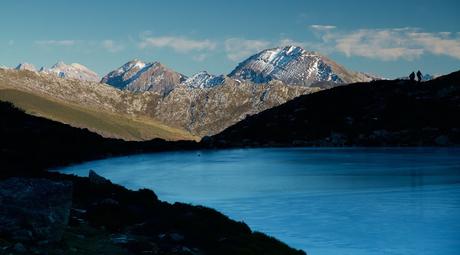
(64, 214)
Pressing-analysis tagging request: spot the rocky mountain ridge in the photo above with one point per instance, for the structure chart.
(71, 71)
(137, 76)
(295, 66)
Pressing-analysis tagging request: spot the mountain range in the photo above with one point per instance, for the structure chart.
(148, 95)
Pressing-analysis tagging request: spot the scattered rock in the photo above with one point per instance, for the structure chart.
(34, 209)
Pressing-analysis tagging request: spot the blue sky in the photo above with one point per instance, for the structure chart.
(388, 38)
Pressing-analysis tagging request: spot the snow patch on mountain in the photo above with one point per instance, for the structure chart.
(26, 66)
(72, 71)
(138, 76)
(294, 66)
(203, 80)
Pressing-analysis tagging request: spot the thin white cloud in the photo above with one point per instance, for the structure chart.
(179, 44)
(383, 44)
(323, 27)
(438, 44)
(11, 42)
(238, 48)
(55, 42)
(390, 44)
(112, 46)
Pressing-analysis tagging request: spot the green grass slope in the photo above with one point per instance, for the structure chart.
(104, 123)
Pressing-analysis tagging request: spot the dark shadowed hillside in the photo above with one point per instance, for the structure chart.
(379, 113)
(30, 143)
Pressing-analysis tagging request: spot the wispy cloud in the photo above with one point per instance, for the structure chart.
(438, 44)
(389, 44)
(112, 46)
(322, 27)
(238, 48)
(179, 44)
(55, 42)
(383, 44)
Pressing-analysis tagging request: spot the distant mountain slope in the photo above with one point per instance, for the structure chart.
(26, 66)
(137, 76)
(203, 80)
(207, 111)
(104, 123)
(80, 104)
(380, 113)
(294, 66)
(72, 71)
(199, 111)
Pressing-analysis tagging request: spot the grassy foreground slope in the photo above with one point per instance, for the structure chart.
(105, 123)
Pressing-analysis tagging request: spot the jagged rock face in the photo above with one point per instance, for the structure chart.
(26, 66)
(72, 71)
(34, 209)
(208, 111)
(294, 66)
(204, 80)
(137, 76)
(121, 77)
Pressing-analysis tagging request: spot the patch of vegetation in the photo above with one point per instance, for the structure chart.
(104, 123)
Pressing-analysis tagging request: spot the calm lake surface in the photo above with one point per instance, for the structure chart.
(324, 201)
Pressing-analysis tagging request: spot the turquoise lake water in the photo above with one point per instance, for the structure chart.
(322, 200)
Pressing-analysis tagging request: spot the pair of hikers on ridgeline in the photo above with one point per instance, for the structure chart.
(419, 76)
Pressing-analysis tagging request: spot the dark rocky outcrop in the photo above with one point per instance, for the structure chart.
(140, 223)
(34, 210)
(109, 219)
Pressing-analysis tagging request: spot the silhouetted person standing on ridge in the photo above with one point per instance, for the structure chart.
(412, 77)
(419, 76)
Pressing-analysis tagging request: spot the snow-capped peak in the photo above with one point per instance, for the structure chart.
(133, 64)
(292, 65)
(72, 71)
(203, 80)
(137, 76)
